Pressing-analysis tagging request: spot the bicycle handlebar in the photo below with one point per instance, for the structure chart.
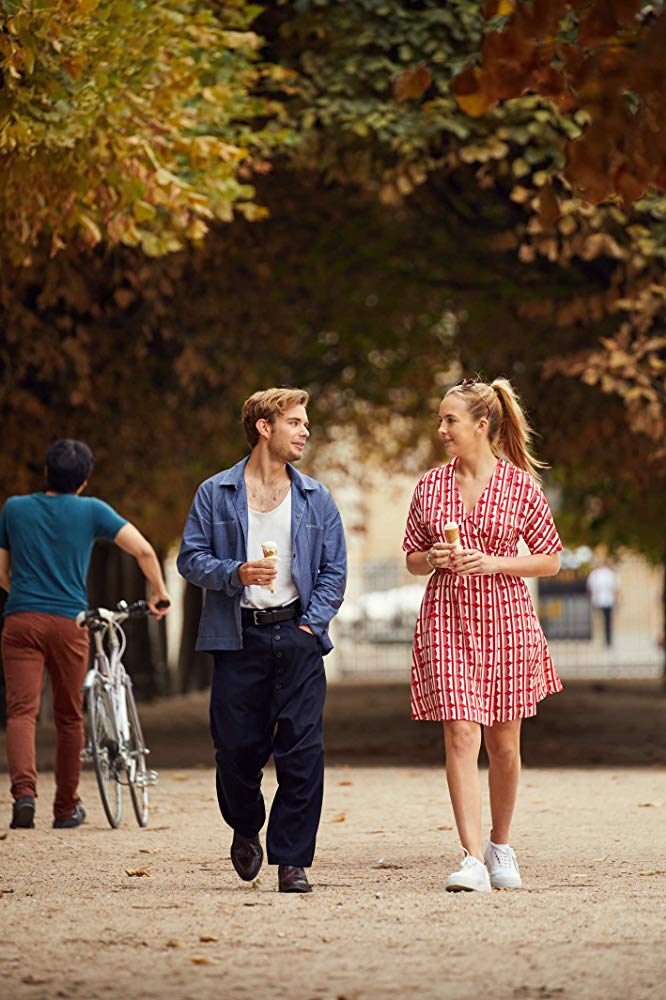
(98, 616)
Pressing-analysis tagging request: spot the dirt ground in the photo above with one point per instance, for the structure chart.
(590, 922)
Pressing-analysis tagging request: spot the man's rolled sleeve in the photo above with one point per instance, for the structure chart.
(196, 559)
(329, 589)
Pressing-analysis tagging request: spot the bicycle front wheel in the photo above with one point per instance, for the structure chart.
(104, 747)
(138, 775)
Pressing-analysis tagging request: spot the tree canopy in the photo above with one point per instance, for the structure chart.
(123, 121)
(407, 240)
(602, 61)
(374, 104)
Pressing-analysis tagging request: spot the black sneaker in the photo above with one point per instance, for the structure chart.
(76, 819)
(23, 813)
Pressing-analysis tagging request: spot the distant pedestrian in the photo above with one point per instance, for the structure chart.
(266, 544)
(603, 586)
(45, 545)
(480, 659)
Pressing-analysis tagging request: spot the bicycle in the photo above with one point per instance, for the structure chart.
(115, 741)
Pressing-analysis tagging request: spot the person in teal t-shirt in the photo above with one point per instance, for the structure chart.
(46, 540)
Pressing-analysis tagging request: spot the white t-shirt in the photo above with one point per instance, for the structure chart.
(602, 584)
(274, 526)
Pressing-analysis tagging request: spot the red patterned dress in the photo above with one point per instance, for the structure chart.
(479, 652)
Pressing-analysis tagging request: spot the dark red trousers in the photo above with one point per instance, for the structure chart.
(32, 641)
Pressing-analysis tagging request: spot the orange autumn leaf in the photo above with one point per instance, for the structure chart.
(412, 83)
(469, 93)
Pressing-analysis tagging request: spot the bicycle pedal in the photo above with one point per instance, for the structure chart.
(152, 778)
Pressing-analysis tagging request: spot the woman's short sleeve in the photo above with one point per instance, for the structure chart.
(538, 528)
(417, 538)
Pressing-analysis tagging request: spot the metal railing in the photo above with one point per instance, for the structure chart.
(373, 633)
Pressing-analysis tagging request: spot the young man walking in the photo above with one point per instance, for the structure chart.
(45, 545)
(266, 624)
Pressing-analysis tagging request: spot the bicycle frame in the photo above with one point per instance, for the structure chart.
(109, 667)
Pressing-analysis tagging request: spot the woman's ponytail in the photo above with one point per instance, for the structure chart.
(514, 434)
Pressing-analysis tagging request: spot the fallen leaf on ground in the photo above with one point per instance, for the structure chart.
(149, 850)
(345, 782)
(3, 836)
(181, 777)
(444, 827)
(31, 980)
(138, 872)
(5, 892)
(340, 818)
(172, 943)
(200, 960)
(208, 937)
(647, 805)
(658, 871)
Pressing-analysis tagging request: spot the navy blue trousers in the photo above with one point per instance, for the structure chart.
(268, 698)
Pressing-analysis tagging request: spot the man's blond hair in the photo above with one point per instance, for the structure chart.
(266, 405)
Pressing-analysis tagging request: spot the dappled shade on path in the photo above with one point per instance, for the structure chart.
(614, 724)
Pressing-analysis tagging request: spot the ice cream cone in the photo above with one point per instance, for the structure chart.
(452, 533)
(270, 551)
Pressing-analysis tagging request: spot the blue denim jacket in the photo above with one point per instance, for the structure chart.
(215, 545)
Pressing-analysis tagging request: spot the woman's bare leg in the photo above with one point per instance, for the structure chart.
(462, 741)
(503, 747)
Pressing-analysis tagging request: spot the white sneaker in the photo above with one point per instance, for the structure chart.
(472, 876)
(501, 863)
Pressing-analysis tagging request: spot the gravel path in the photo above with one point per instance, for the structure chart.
(590, 923)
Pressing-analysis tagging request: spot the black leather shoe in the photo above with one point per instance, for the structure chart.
(23, 813)
(292, 879)
(246, 856)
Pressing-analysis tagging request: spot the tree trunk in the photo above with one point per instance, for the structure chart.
(663, 622)
(194, 669)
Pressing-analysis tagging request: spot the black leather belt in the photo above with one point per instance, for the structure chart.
(268, 616)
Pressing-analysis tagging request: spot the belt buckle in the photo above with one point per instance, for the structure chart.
(254, 617)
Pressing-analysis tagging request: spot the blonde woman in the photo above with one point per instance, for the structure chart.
(480, 659)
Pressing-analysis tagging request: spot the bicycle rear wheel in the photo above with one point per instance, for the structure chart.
(138, 775)
(104, 747)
